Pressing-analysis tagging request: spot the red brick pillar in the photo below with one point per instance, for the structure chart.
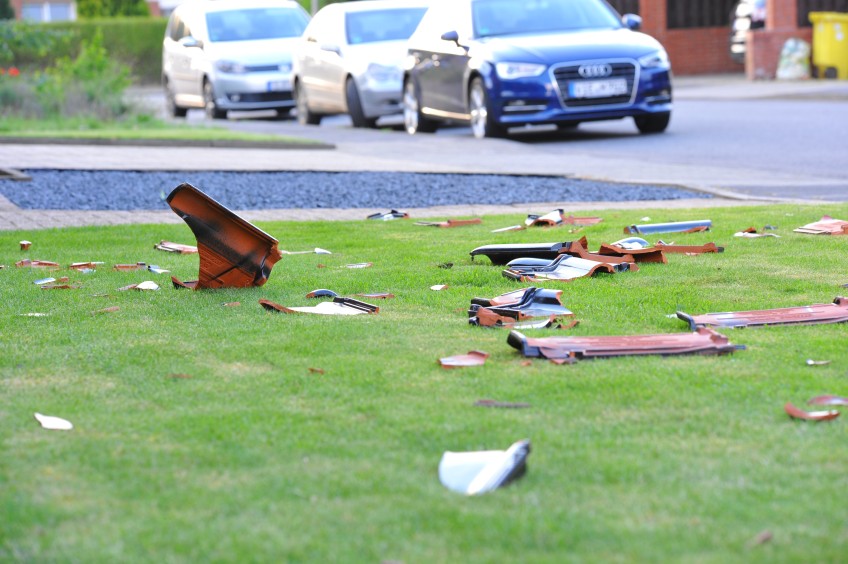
(17, 6)
(763, 46)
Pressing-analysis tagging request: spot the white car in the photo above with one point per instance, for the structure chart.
(225, 55)
(350, 60)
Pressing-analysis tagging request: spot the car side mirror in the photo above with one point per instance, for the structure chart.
(632, 22)
(189, 41)
(332, 48)
(454, 37)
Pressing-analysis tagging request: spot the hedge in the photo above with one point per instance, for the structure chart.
(135, 42)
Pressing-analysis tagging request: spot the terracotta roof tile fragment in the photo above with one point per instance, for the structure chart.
(825, 226)
(450, 222)
(171, 247)
(836, 312)
(828, 400)
(339, 306)
(796, 413)
(473, 358)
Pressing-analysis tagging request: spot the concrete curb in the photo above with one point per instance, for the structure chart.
(193, 143)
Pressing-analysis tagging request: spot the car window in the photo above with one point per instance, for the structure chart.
(255, 23)
(382, 25)
(506, 17)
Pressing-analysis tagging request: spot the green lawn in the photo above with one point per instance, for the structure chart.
(254, 458)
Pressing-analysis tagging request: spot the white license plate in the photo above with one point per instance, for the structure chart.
(598, 88)
(279, 85)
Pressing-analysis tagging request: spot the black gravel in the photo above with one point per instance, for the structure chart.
(137, 190)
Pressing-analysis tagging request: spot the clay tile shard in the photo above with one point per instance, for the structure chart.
(27, 263)
(752, 233)
(556, 218)
(60, 287)
(526, 308)
(502, 254)
(141, 286)
(825, 226)
(322, 293)
(796, 413)
(828, 400)
(339, 306)
(500, 404)
(450, 222)
(689, 249)
(473, 358)
(475, 473)
(563, 268)
(25, 245)
(388, 216)
(42, 281)
(815, 314)
(233, 252)
(84, 266)
(674, 227)
(179, 284)
(377, 296)
(359, 265)
(130, 267)
(569, 349)
(439, 287)
(171, 247)
(649, 254)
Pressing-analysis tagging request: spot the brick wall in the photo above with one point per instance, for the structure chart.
(763, 50)
(698, 50)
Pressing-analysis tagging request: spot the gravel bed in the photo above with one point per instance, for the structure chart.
(143, 190)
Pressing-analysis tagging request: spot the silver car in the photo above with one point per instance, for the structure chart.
(350, 60)
(225, 55)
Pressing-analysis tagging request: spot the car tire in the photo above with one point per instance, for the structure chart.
(413, 120)
(652, 123)
(354, 106)
(283, 113)
(210, 107)
(483, 123)
(171, 107)
(304, 115)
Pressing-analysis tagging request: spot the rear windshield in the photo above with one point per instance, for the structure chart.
(255, 23)
(382, 25)
(506, 17)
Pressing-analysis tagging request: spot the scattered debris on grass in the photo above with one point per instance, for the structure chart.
(315, 251)
(84, 267)
(53, 423)
(171, 247)
(674, 227)
(555, 218)
(796, 413)
(130, 267)
(500, 404)
(339, 306)
(563, 268)
(42, 281)
(322, 293)
(811, 362)
(473, 358)
(825, 226)
(475, 473)
(567, 350)
(376, 296)
(231, 304)
(358, 265)
(147, 285)
(837, 312)
(62, 286)
(34, 314)
(317, 370)
(450, 222)
(388, 216)
(233, 252)
(25, 245)
(752, 233)
(439, 287)
(761, 539)
(27, 263)
(528, 308)
(111, 309)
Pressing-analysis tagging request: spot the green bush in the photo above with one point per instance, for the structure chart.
(111, 8)
(133, 42)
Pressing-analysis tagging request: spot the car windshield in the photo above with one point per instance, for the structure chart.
(506, 17)
(382, 25)
(255, 23)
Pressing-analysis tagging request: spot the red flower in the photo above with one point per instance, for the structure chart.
(14, 71)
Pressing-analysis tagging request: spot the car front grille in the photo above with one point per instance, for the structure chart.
(262, 68)
(566, 74)
(261, 97)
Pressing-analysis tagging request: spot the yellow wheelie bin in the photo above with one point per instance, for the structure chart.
(830, 44)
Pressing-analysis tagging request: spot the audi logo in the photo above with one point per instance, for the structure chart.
(595, 71)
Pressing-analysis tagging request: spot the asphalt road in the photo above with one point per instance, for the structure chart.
(765, 147)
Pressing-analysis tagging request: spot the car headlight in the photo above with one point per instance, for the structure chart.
(658, 59)
(382, 73)
(509, 71)
(230, 67)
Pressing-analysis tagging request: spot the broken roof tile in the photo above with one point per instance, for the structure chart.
(500, 404)
(25, 245)
(557, 217)
(322, 293)
(796, 413)
(130, 267)
(377, 296)
(358, 265)
(27, 263)
(439, 287)
(475, 473)
(473, 358)
(388, 216)
(53, 423)
(502, 254)
(752, 233)
(828, 400)
(526, 308)
(569, 349)
(339, 306)
(563, 268)
(234, 253)
(171, 247)
(836, 312)
(825, 226)
(84, 266)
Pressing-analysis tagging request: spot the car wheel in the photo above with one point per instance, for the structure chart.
(171, 107)
(304, 115)
(652, 123)
(354, 106)
(483, 123)
(211, 108)
(283, 113)
(413, 120)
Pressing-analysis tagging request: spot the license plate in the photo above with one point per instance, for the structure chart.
(279, 85)
(598, 88)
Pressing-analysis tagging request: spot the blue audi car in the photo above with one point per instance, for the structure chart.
(497, 64)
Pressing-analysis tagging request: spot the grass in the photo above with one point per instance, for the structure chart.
(140, 127)
(256, 458)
